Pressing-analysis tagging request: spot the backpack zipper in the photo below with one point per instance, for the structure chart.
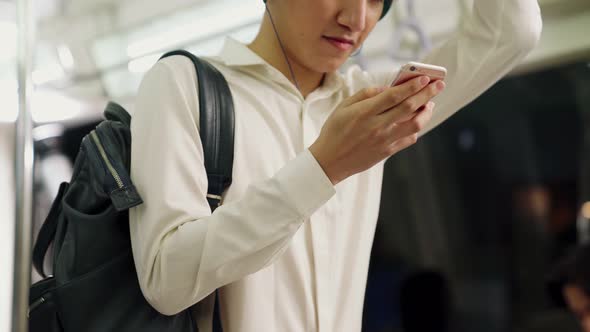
(106, 159)
(35, 304)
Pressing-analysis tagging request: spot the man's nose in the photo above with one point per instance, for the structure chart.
(353, 15)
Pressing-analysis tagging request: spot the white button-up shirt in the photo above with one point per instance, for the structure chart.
(288, 250)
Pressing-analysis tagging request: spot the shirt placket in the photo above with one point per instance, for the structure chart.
(320, 236)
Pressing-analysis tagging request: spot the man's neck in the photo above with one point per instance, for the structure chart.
(267, 47)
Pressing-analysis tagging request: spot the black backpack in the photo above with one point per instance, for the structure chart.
(94, 286)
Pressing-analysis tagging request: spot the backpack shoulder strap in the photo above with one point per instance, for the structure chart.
(216, 125)
(47, 231)
(216, 119)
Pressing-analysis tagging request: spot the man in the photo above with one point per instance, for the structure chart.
(289, 248)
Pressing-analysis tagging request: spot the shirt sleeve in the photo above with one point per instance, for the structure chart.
(488, 44)
(182, 251)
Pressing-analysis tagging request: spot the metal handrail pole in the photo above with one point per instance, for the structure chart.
(24, 160)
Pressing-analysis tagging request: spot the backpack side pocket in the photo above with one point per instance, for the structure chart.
(43, 312)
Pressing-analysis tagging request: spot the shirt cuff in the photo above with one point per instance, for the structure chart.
(305, 183)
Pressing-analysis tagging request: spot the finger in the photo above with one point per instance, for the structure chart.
(419, 122)
(362, 95)
(413, 126)
(411, 115)
(413, 103)
(401, 144)
(393, 96)
(424, 110)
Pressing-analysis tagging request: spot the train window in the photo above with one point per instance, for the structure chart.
(483, 206)
(124, 56)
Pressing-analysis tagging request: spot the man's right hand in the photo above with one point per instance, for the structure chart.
(373, 125)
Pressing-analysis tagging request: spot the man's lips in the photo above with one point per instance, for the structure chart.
(342, 40)
(342, 44)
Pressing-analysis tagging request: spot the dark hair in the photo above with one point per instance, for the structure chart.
(574, 269)
(386, 6)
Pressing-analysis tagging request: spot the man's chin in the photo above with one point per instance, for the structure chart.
(331, 65)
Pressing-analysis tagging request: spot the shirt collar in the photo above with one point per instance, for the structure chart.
(237, 54)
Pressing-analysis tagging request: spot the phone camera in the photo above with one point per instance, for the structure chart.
(412, 68)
